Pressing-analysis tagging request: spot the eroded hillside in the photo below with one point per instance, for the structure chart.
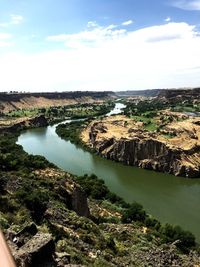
(170, 143)
(16, 101)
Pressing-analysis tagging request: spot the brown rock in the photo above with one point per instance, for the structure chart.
(36, 252)
(146, 151)
(74, 197)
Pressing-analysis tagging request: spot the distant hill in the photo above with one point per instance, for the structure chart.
(168, 94)
(147, 93)
(15, 101)
(172, 95)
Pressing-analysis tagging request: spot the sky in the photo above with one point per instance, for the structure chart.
(66, 45)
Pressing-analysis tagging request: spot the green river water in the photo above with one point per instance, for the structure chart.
(170, 199)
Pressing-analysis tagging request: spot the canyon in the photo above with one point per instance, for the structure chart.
(76, 220)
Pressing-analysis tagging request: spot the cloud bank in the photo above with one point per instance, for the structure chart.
(108, 58)
(5, 39)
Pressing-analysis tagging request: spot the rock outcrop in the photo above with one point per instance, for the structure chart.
(68, 190)
(137, 147)
(37, 251)
(73, 196)
(23, 123)
(31, 248)
(39, 121)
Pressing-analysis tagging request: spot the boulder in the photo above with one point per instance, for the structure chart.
(74, 197)
(25, 234)
(38, 251)
(62, 259)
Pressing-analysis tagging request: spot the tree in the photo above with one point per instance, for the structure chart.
(134, 213)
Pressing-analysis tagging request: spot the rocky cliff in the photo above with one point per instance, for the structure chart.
(14, 125)
(128, 143)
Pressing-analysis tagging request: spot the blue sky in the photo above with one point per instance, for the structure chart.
(99, 44)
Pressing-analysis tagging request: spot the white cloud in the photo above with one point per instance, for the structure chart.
(187, 4)
(128, 22)
(3, 24)
(94, 36)
(5, 36)
(170, 31)
(92, 24)
(161, 56)
(5, 43)
(168, 19)
(14, 20)
(5, 39)
(100, 36)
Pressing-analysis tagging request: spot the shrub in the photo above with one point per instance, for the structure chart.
(36, 202)
(3, 222)
(96, 188)
(134, 213)
(151, 222)
(110, 243)
(186, 239)
(3, 182)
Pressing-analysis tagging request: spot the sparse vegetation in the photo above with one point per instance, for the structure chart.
(71, 131)
(59, 113)
(143, 110)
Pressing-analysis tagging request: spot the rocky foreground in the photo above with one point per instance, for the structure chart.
(75, 231)
(175, 148)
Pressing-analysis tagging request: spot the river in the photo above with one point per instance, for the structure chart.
(168, 198)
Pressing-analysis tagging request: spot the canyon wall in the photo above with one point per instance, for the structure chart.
(146, 152)
(16, 101)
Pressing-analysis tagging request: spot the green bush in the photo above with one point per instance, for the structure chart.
(134, 213)
(153, 223)
(96, 188)
(13, 157)
(3, 222)
(35, 200)
(70, 131)
(185, 239)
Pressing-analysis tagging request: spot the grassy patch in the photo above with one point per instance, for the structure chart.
(168, 136)
(149, 124)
